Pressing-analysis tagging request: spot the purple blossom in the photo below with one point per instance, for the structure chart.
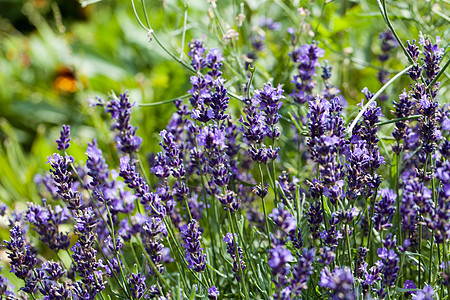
(213, 293)
(212, 137)
(315, 219)
(154, 232)
(230, 201)
(97, 166)
(414, 52)
(278, 260)
(388, 42)
(269, 23)
(141, 189)
(416, 199)
(231, 249)
(339, 282)
(86, 264)
(120, 111)
(63, 142)
(269, 101)
(409, 285)
(45, 221)
(285, 223)
(6, 289)
(307, 56)
(54, 270)
(303, 270)
(191, 236)
(20, 253)
(403, 109)
(425, 294)
(63, 179)
(137, 285)
(433, 55)
(384, 210)
(254, 127)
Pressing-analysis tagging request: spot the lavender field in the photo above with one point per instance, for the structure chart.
(219, 149)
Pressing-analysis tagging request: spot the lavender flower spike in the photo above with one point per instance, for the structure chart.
(137, 285)
(340, 282)
(231, 249)
(120, 110)
(63, 142)
(191, 236)
(22, 258)
(213, 293)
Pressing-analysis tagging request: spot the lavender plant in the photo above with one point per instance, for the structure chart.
(228, 213)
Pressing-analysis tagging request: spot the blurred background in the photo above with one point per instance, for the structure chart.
(56, 55)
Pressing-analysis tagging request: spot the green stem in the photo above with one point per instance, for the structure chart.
(238, 257)
(264, 206)
(375, 97)
(372, 210)
(413, 117)
(250, 262)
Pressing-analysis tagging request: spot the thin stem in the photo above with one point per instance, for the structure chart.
(375, 97)
(238, 257)
(164, 102)
(413, 117)
(372, 210)
(250, 262)
(264, 205)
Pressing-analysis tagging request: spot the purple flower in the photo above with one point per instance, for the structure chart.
(414, 52)
(230, 201)
(339, 282)
(63, 179)
(96, 164)
(135, 181)
(388, 264)
(120, 111)
(384, 210)
(212, 137)
(85, 263)
(254, 127)
(307, 56)
(315, 219)
(46, 221)
(433, 55)
(137, 285)
(213, 293)
(403, 109)
(22, 257)
(191, 236)
(409, 285)
(154, 232)
(269, 23)
(269, 101)
(428, 108)
(288, 185)
(425, 294)
(285, 223)
(53, 269)
(416, 199)
(63, 142)
(231, 249)
(303, 270)
(197, 54)
(6, 289)
(279, 259)
(388, 42)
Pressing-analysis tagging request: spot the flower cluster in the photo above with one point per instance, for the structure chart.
(319, 221)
